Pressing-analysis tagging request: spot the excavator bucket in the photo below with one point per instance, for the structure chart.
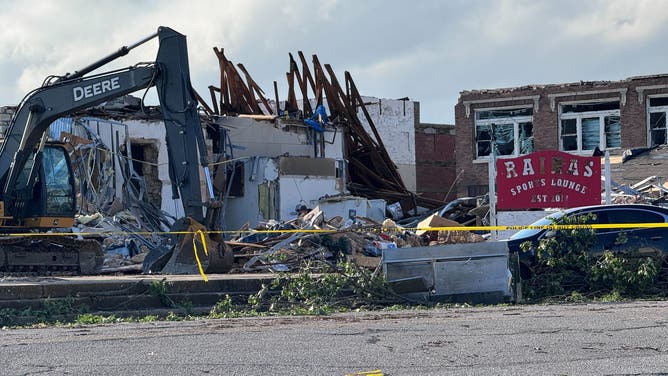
(197, 251)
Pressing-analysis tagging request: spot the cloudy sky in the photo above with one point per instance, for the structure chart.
(426, 50)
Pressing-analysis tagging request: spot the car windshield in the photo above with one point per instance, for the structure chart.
(546, 221)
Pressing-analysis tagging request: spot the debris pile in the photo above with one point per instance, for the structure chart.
(286, 246)
(634, 179)
(125, 239)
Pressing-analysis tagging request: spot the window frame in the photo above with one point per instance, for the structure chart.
(578, 116)
(656, 109)
(515, 120)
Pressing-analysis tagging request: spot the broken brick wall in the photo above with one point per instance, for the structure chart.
(547, 102)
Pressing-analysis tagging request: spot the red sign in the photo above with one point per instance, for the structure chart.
(548, 179)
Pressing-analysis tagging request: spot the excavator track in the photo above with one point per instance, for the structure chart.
(49, 255)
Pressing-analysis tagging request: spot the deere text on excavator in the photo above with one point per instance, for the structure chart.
(36, 177)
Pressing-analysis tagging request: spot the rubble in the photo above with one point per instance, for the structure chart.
(311, 238)
(634, 179)
(317, 236)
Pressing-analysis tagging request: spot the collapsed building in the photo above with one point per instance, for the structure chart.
(272, 158)
(278, 155)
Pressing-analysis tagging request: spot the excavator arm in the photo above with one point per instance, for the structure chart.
(169, 74)
(26, 138)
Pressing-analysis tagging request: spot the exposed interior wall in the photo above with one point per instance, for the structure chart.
(280, 137)
(144, 154)
(260, 174)
(269, 193)
(154, 130)
(395, 120)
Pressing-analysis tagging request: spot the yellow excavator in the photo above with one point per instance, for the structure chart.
(37, 183)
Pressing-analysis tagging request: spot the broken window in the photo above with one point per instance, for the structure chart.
(144, 161)
(235, 175)
(510, 131)
(585, 126)
(658, 107)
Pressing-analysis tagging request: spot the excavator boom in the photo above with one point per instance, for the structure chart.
(26, 195)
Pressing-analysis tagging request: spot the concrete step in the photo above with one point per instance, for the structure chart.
(121, 293)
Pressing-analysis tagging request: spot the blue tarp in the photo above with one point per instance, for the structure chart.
(318, 119)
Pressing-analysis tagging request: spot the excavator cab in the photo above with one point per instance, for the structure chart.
(48, 199)
(43, 197)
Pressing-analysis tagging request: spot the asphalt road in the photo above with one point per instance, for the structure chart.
(602, 339)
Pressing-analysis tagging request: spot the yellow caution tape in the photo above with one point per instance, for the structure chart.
(376, 372)
(206, 252)
(368, 229)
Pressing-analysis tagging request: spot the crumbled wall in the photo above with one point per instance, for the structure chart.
(633, 112)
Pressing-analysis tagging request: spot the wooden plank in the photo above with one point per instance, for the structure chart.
(201, 101)
(212, 91)
(224, 96)
(278, 107)
(306, 105)
(243, 244)
(254, 86)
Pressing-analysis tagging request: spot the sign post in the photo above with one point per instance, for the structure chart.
(492, 193)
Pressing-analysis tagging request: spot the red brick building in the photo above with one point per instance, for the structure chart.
(574, 117)
(434, 161)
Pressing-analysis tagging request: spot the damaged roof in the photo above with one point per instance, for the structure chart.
(579, 84)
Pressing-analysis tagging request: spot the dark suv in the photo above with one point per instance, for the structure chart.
(644, 239)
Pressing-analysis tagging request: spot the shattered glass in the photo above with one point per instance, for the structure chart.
(504, 135)
(658, 101)
(483, 143)
(589, 107)
(526, 138)
(613, 132)
(657, 125)
(512, 131)
(501, 114)
(59, 192)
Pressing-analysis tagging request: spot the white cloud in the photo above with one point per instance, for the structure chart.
(427, 50)
(619, 22)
